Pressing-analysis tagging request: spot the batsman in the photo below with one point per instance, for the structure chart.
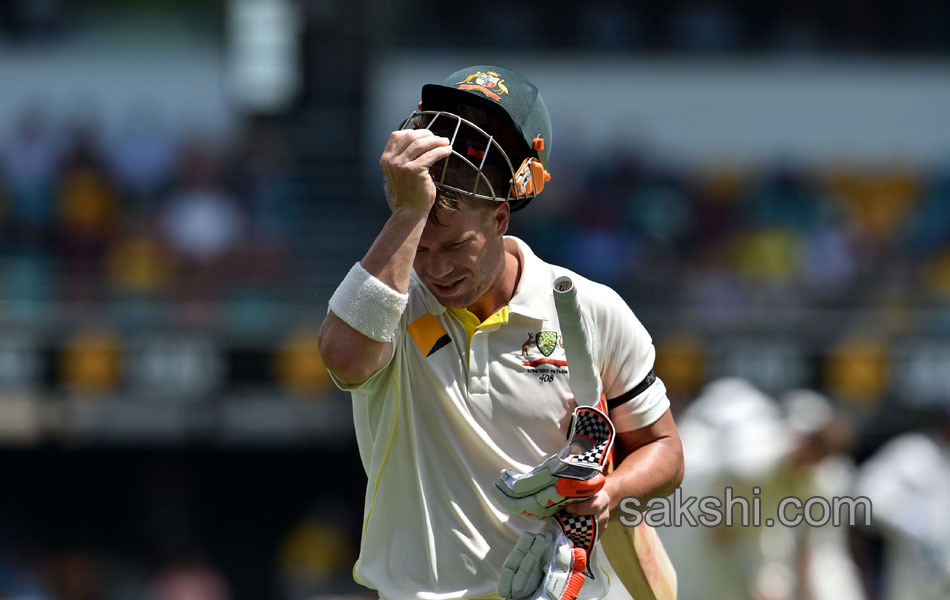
(488, 476)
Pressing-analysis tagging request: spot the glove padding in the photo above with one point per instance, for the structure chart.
(573, 474)
(543, 566)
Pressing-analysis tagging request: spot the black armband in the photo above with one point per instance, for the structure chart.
(631, 394)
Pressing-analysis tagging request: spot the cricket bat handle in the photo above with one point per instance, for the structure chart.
(580, 361)
(636, 554)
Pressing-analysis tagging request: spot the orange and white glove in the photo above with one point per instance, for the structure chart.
(543, 566)
(573, 474)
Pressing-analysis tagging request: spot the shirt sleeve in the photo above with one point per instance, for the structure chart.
(375, 377)
(625, 355)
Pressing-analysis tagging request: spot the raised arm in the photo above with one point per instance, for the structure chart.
(353, 356)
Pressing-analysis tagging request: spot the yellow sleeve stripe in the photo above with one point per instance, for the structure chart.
(428, 334)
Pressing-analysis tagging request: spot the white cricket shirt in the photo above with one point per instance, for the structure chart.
(439, 422)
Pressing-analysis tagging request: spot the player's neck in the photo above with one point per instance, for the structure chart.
(502, 291)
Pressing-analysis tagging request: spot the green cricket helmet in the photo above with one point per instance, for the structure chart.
(500, 132)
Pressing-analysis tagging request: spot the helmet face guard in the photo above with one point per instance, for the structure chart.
(479, 165)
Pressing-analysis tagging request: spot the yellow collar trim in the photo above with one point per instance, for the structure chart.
(472, 324)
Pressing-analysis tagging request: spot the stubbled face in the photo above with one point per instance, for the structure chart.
(461, 260)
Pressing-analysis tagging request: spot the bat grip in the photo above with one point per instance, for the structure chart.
(583, 376)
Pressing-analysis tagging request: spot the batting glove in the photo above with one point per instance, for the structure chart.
(543, 566)
(573, 474)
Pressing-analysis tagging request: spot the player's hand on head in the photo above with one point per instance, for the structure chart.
(406, 160)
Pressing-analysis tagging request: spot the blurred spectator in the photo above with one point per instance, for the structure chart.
(711, 289)
(88, 209)
(28, 162)
(202, 222)
(829, 263)
(715, 192)
(733, 435)
(262, 169)
(141, 157)
(262, 165)
(765, 256)
(316, 555)
(188, 578)
(659, 213)
(820, 464)
(138, 264)
(877, 201)
(140, 273)
(908, 482)
(928, 227)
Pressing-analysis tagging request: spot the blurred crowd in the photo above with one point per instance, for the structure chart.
(145, 215)
(733, 242)
(137, 215)
(139, 225)
(107, 238)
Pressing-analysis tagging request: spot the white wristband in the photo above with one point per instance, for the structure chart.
(368, 305)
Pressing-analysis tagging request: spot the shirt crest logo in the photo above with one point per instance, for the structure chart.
(487, 83)
(546, 341)
(546, 367)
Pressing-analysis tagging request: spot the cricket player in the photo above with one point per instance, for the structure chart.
(908, 482)
(445, 332)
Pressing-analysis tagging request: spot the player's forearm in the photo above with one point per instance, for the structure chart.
(652, 470)
(390, 257)
(351, 355)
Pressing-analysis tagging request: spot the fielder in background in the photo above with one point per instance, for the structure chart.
(447, 336)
